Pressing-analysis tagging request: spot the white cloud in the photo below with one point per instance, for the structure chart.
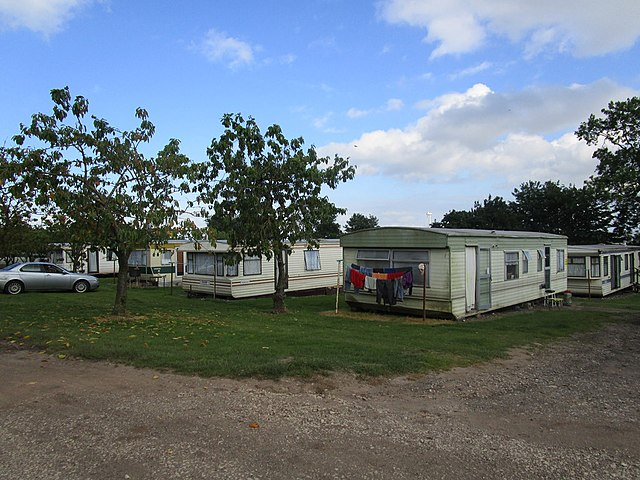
(219, 47)
(581, 27)
(321, 122)
(42, 16)
(471, 70)
(505, 138)
(393, 104)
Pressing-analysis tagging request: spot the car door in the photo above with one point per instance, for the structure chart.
(32, 275)
(55, 278)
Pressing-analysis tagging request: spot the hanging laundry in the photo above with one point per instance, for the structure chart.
(384, 292)
(369, 283)
(357, 279)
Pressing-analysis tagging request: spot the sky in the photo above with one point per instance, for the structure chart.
(438, 103)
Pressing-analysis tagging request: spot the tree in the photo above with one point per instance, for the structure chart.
(492, 214)
(328, 228)
(18, 237)
(265, 192)
(92, 175)
(617, 178)
(358, 221)
(578, 213)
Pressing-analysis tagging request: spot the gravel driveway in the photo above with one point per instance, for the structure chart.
(570, 410)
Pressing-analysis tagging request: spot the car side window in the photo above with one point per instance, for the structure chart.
(52, 269)
(32, 268)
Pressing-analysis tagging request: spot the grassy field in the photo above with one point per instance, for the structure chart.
(241, 338)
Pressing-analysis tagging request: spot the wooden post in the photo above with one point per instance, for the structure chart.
(423, 271)
(338, 285)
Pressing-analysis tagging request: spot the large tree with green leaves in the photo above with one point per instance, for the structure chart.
(359, 221)
(616, 134)
(81, 170)
(328, 228)
(578, 213)
(19, 235)
(492, 214)
(266, 192)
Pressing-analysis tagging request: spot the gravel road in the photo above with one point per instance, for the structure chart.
(566, 411)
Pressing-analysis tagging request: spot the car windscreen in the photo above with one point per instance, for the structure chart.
(8, 267)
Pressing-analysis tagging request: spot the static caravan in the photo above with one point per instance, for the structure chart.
(96, 262)
(208, 272)
(599, 270)
(146, 264)
(465, 272)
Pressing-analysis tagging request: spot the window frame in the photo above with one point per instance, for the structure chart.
(574, 262)
(595, 262)
(511, 262)
(373, 261)
(312, 264)
(526, 258)
(194, 263)
(541, 258)
(560, 260)
(249, 260)
(136, 253)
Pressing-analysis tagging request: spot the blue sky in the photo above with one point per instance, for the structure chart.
(438, 103)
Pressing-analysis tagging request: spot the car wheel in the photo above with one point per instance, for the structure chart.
(81, 286)
(14, 287)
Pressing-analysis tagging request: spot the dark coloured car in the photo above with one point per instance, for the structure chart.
(43, 276)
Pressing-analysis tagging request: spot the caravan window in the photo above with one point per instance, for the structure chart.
(138, 257)
(626, 261)
(413, 258)
(595, 266)
(373, 258)
(560, 260)
(540, 259)
(166, 257)
(605, 266)
(200, 263)
(526, 258)
(223, 267)
(511, 263)
(252, 265)
(577, 267)
(232, 270)
(312, 259)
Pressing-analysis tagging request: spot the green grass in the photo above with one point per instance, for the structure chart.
(242, 338)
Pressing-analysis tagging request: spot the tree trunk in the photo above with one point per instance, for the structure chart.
(281, 283)
(120, 306)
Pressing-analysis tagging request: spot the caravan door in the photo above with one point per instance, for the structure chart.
(616, 264)
(484, 279)
(471, 277)
(92, 261)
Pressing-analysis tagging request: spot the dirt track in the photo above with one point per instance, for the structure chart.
(571, 410)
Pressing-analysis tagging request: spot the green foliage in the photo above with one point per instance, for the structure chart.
(243, 338)
(617, 137)
(358, 221)
(579, 213)
(90, 179)
(265, 191)
(492, 214)
(328, 228)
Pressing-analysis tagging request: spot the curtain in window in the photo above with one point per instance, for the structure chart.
(312, 260)
(252, 265)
